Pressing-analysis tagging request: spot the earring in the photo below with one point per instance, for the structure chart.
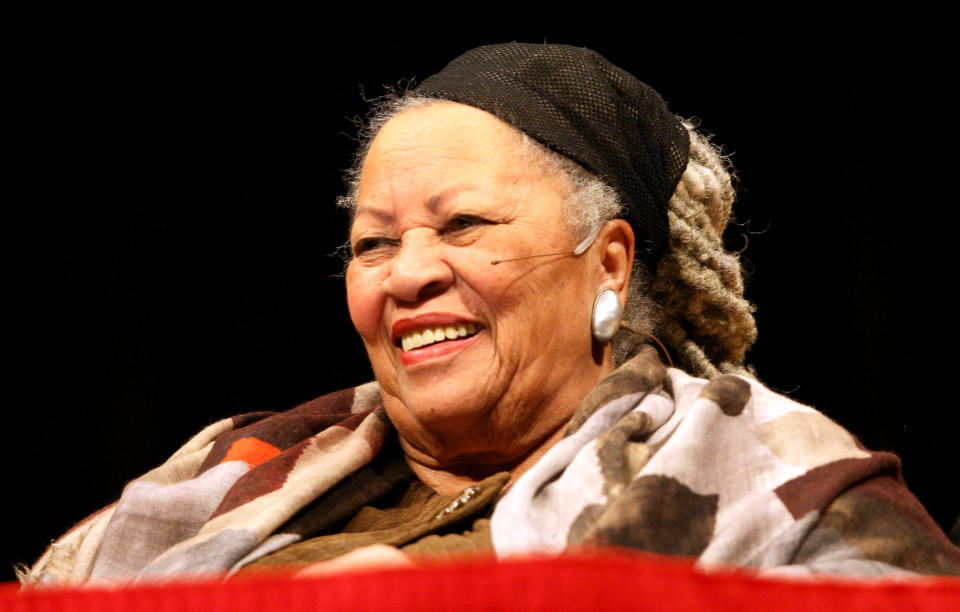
(605, 319)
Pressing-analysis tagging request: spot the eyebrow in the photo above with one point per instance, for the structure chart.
(433, 204)
(381, 215)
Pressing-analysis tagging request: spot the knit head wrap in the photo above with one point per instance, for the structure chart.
(580, 105)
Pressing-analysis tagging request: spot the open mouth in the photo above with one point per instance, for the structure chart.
(433, 335)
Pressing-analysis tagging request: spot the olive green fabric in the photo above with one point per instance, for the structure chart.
(416, 523)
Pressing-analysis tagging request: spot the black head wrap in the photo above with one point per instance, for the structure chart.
(580, 105)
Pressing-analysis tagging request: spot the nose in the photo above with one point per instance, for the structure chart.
(418, 270)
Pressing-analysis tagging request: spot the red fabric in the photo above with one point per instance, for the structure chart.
(596, 583)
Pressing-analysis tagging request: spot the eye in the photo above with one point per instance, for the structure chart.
(366, 246)
(464, 222)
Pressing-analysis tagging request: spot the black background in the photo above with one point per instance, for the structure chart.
(178, 219)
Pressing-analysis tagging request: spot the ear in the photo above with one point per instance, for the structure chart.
(616, 247)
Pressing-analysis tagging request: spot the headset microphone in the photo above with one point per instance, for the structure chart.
(583, 246)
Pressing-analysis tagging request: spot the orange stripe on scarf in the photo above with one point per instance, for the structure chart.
(252, 450)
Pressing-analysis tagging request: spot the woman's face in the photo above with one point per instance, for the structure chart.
(445, 190)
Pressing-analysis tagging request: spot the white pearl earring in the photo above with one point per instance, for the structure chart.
(605, 319)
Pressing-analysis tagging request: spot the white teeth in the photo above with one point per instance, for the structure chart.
(424, 337)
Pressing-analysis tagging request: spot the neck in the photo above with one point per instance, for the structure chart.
(512, 437)
(451, 481)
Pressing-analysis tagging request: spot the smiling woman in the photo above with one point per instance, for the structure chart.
(491, 210)
(445, 190)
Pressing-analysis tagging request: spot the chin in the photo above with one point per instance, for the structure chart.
(438, 413)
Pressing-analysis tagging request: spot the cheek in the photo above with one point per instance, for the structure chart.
(529, 306)
(559, 302)
(365, 303)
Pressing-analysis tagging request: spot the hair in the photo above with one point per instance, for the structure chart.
(695, 302)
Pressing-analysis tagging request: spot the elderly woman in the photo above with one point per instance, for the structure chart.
(508, 216)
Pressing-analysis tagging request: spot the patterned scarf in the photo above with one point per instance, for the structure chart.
(723, 470)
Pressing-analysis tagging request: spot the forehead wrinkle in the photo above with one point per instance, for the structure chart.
(435, 201)
(407, 146)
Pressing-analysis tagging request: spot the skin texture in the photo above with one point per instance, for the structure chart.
(444, 190)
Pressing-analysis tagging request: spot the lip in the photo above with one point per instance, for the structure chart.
(430, 319)
(434, 351)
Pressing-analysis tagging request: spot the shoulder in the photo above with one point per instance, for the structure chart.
(730, 394)
(809, 485)
(258, 436)
(743, 409)
(196, 476)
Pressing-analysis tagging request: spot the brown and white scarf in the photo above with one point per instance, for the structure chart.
(723, 470)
